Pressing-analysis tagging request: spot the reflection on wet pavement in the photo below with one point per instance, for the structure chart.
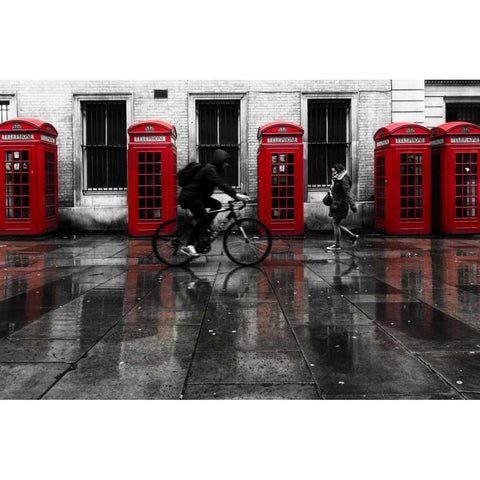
(96, 316)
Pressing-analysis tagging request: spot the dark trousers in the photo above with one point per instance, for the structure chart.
(198, 207)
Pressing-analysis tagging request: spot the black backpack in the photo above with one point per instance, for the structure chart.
(185, 174)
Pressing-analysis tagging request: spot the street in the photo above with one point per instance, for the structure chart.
(97, 317)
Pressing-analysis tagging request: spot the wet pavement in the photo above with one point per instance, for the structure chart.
(97, 317)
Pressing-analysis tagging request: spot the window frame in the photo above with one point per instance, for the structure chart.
(200, 145)
(352, 135)
(107, 144)
(12, 105)
(193, 131)
(82, 197)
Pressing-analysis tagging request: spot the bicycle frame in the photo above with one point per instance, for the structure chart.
(233, 214)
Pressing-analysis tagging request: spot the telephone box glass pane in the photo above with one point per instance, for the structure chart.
(282, 181)
(380, 187)
(149, 185)
(411, 185)
(466, 185)
(50, 183)
(17, 191)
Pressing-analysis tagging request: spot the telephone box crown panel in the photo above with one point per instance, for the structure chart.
(152, 131)
(152, 168)
(451, 128)
(456, 132)
(401, 133)
(283, 132)
(28, 169)
(28, 129)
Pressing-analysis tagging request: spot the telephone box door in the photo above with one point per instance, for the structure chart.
(17, 193)
(402, 179)
(455, 193)
(152, 186)
(28, 169)
(280, 178)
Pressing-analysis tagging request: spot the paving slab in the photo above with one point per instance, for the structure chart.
(43, 350)
(236, 335)
(452, 395)
(244, 391)
(363, 360)
(262, 312)
(132, 362)
(28, 381)
(422, 328)
(249, 367)
(319, 318)
(95, 380)
(460, 369)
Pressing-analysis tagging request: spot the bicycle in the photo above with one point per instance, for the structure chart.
(246, 241)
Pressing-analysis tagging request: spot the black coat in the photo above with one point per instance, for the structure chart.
(341, 198)
(203, 185)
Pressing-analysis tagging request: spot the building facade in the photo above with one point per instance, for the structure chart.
(339, 117)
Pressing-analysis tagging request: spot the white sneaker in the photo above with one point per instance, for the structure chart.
(190, 251)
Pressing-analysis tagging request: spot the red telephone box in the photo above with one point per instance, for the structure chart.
(280, 177)
(402, 179)
(152, 169)
(28, 169)
(455, 194)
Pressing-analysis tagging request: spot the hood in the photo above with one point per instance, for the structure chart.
(219, 157)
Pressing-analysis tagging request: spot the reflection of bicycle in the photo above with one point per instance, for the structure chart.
(246, 241)
(242, 283)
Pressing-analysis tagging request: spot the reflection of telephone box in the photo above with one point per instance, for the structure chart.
(280, 177)
(455, 195)
(28, 169)
(152, 168)
(402, 179)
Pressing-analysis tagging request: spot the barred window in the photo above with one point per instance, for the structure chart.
(218, 127)
(328, 138)
(463, 112)
(104, 146)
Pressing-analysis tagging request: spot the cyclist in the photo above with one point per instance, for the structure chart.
(196, 195)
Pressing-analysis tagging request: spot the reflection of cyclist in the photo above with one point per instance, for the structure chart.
(196, 195)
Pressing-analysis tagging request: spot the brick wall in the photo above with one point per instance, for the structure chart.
(373, 113)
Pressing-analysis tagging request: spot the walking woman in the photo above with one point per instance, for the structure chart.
(341, 201)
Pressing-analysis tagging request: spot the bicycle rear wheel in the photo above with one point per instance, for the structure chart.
(168, 239)
(247, 241)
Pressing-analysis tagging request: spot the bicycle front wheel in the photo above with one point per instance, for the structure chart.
(247, 241)
(168, 240)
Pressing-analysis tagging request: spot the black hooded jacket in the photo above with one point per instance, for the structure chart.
(203, 184)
